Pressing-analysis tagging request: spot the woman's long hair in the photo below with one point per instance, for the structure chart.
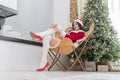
(80, 26)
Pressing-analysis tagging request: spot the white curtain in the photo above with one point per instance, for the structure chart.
(114, 14)
(81, 4)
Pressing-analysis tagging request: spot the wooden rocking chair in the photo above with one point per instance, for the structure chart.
(65, 47)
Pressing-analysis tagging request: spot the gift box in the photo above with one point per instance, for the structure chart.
(90, 65)
(114, 66)
(102, 68)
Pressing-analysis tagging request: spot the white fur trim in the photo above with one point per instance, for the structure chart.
(76, 31)
(63, 34)
(79, 21)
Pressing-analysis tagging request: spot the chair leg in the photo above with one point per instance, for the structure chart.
(55, 60)
(75, 62)
(52, 59)
(82, 66)
(79, 56)
(60, 63)
(79, 60)
(72, 66)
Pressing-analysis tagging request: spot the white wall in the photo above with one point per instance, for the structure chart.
(19, 56)
(61, 12)
(38, 15)
(61, 17)
(33, 15)
(114, 14)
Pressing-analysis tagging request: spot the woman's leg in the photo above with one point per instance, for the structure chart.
(46, 46)
(48, 42)
(46, 32)
(41, 35)
(54, 28)
(49, 31)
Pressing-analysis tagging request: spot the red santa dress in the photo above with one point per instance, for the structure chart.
(75, 35)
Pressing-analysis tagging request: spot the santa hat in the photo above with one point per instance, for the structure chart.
(79, 21)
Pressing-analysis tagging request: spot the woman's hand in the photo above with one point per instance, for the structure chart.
(53, 26)
(56, 27)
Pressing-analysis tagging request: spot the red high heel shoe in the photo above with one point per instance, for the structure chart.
(33, 35)
(42, 69)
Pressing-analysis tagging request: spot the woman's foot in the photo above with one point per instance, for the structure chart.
(42, 69)
(34, 35)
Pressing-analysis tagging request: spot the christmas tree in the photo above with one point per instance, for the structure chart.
(103, 44)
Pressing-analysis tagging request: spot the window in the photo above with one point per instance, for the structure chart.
(114, 14)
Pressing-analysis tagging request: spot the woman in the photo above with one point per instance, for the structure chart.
(50, 41)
